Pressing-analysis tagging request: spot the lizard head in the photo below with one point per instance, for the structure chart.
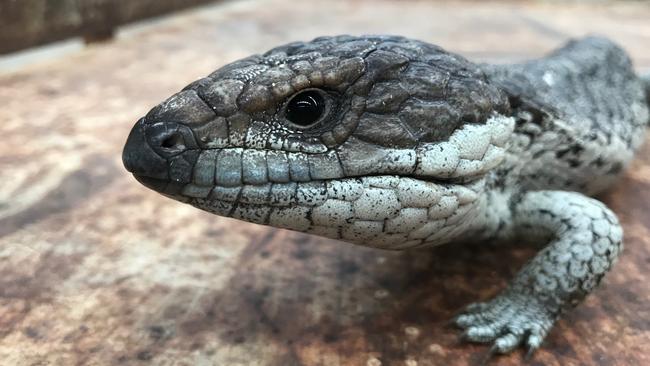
(363, 139)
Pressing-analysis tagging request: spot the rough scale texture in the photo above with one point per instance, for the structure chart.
(99, 270)
(415, 147)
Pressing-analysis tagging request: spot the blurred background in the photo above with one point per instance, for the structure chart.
(97, 270)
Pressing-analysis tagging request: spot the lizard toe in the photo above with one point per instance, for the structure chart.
(508, 321)
(507, 343)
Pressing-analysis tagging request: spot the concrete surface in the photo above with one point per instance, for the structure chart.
(96, 270)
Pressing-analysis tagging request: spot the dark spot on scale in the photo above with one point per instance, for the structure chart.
(599, 162)
(574, 163)
(577, 149)
(560, 153)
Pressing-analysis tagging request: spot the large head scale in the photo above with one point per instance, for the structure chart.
(376, 140)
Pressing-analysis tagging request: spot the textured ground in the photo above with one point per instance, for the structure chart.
(96, 269)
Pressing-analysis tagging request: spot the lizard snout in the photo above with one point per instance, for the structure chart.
(151, 148)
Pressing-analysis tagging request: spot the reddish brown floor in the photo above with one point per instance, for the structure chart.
(96, 269)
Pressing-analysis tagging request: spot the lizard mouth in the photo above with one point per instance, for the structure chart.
(159, 185)
(283, 194)
(163, 186)
(385, 211)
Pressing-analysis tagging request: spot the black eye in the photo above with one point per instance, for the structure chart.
(305, 108)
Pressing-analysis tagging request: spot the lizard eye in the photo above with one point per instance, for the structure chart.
(306, 108)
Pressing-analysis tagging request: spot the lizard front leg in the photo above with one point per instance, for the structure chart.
(584, 239)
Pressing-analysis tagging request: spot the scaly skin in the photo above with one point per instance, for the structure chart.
(415, 147)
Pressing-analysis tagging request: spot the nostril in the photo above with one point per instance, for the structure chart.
(169, 138)
(173, 141)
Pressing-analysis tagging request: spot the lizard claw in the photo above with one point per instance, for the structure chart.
(488, 356)
(508, 321)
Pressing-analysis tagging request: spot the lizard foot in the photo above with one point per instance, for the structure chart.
(508, 321)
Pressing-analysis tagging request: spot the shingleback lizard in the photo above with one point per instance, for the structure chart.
(394, 143)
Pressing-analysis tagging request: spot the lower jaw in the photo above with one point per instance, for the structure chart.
(283, 194)
(389, 212)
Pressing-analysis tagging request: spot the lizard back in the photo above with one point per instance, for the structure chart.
(581, 114)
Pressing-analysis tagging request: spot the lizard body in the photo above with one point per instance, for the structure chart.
(394, 143)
